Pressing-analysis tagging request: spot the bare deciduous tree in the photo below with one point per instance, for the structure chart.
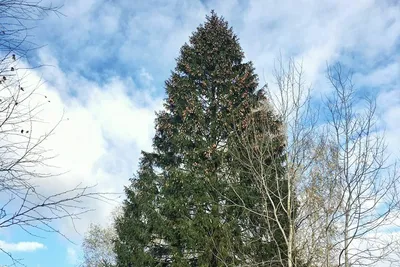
(255, 150)
(98, 246)
(98, 243)
(24, 166)
(24, 157)
(338, 191)
(17, 20)
(367, 178)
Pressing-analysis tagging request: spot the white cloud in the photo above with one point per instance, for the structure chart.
(100, 142)
(21, 246)
(146, 76)
(108, 123)
(105, 126)
(111, 120)
(150, 34)
(72, 256)
(384, 77)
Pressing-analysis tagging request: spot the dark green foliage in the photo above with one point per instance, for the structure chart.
(180, 208)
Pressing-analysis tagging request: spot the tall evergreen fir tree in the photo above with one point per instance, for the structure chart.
(180, 208)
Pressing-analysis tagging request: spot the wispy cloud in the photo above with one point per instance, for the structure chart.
(104, 128)
(72, 256)
(108, 73)
(21, 246)
(109, 60)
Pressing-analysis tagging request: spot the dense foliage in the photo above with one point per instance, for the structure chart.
(191, 203)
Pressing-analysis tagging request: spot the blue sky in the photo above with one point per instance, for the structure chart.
(109, 60)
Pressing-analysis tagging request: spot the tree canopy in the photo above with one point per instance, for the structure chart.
(181, 207)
